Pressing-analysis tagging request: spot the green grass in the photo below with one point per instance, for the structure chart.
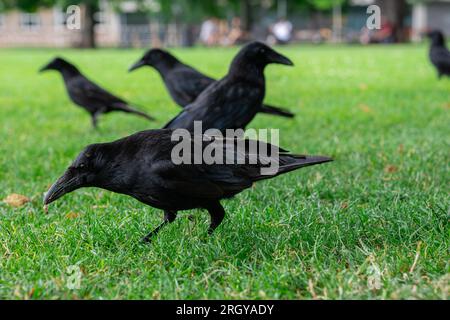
(321, 232)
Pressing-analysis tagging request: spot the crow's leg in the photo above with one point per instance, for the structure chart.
(95, 119)
(217, 213)
(169, 217)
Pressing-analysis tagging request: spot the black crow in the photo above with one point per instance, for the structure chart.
(87, 94)
(439, 54)
(143, 166)
(184, 83)
(232, 102)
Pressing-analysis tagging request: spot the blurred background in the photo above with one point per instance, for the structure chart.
(170, 23)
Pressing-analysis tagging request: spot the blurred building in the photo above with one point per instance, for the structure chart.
(124, 28)
(47, 28)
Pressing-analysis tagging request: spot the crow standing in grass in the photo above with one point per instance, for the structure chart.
(141, 166)
(87, 94)
(439, 54)
(184, 83)
(232, 102)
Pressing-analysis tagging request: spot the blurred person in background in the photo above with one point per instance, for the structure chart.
(236, 35)
(386, 33)
(282, 31)
(223, 31)
(209, 32)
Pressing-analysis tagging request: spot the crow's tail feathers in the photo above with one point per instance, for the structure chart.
(128, 109)
(267, 109)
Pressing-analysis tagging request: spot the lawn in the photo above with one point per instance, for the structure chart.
(373, 224)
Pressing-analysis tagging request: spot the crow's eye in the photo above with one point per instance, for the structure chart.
(82, 166)
(262, 50)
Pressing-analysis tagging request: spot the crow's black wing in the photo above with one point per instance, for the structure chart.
(203, 181)
(153, 174)
(440, 57)
(97, 100)
(186, 84)
(223, 105)
(216, 181)
(91, 93)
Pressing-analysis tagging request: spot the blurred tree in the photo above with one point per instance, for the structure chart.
(196, 10)
(326, 4)
(246, 15)
(395, 12)
(90, 7)
(186, 10)
(190, 11)
(318, 5)
(186, 14)
(25, 5)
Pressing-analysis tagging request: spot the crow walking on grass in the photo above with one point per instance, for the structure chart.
(439, 54)
(232, 102)
(142, 166)
(185, 83)
(87, 94)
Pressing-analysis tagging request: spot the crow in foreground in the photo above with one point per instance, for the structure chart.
(439, 54)
(184, 83)
(232, 102)
(87, 94)
(142, 166)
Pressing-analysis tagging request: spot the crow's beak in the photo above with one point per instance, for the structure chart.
(137, 65)
(275, 57)
(67, 183)
(44, 68)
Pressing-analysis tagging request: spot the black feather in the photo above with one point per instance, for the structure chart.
(439, 54)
